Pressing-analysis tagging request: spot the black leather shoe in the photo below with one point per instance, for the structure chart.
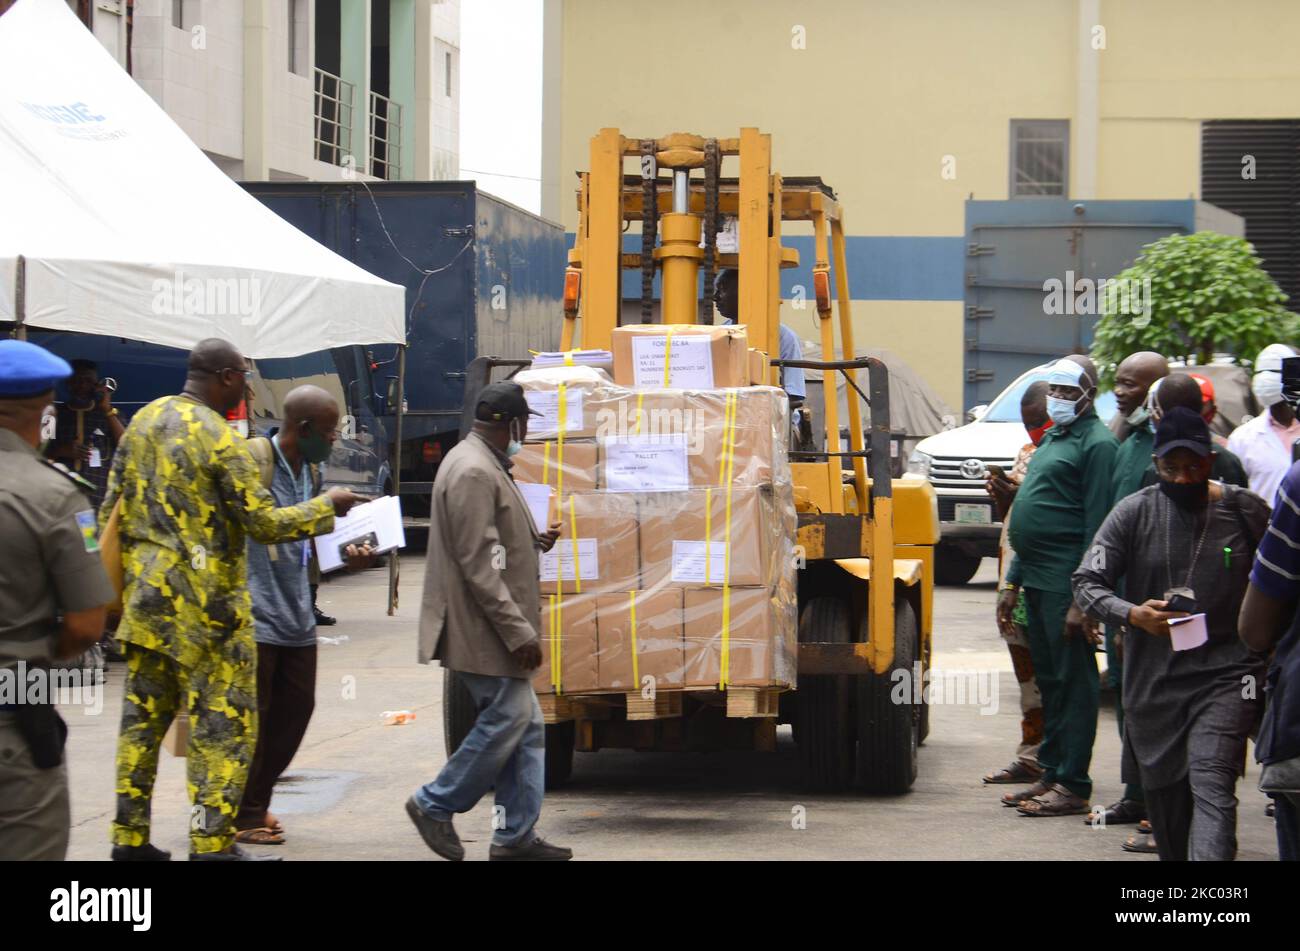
(438, 834)
(1124, 812)
(140, 853)
(323, 619)
(538, 850)
(232, 854)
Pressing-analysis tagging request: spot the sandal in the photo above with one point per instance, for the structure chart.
(1140, 842)
(1016, 798)
(1057, 801)
(274, 824)
(261, 836)
(1017, 772)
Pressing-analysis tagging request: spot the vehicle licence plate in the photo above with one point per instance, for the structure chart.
(969, 513)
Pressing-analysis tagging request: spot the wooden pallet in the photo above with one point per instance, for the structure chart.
(753, 701)
(665, 703)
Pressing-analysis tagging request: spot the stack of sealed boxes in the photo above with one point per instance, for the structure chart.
(671, 486)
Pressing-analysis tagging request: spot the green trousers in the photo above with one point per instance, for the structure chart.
(1066, 671)
(220, 696)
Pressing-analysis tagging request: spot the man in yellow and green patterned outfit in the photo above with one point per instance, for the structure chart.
(190, 494)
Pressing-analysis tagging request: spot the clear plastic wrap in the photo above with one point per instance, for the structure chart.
(675, 560)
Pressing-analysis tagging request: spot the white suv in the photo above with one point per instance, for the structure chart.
(956, 463)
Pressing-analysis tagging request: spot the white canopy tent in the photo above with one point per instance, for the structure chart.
(115, 223)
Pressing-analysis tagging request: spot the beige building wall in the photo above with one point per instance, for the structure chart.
(878, 96)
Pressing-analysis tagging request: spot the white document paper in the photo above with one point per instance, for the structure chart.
(647, 463)
(1188, 633)
(538, 497)
(692, 559)
(547, 402)
(95, 460)
(689, 368)
(382, 518)
(557, 564)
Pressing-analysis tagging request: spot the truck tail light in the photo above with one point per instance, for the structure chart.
(431, 452)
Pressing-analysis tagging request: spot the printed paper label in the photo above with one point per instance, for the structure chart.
(547, 402)
(538, 498)
(691, 560)
(557, 564)
(647, 463)
(690, 366)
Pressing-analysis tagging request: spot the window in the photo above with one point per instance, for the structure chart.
(446, 59)
(1040, 155)
(297, 36)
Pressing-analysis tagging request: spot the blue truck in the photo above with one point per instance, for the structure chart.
(482, 277)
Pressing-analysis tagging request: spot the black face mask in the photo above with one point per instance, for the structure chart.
(1187, 495)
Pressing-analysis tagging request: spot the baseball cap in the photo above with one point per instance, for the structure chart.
(1180, 428)
(1207, 387)
(498, 402)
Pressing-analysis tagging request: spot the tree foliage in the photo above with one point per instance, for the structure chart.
(1192, 296)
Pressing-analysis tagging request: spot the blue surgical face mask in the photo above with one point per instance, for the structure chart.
(1139, 416)
(513, 447)
(1062, 412)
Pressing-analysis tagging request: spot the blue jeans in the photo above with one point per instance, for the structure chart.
(506, 749)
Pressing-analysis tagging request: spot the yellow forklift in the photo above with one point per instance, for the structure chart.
(865, 541)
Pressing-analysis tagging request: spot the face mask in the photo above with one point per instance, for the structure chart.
(1267, 387)
(1063, 412)
(314, 447)
(1138, 416)
(1036, 435)
(514, 445)
(1187, 495)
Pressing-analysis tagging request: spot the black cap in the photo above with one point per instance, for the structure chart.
(1180, 428)
(501, 402)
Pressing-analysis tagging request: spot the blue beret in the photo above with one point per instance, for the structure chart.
(29, 370)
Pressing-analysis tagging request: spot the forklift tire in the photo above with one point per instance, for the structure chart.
(825, 713)
(458, 711)
(954, 567)
(559, 753)
(888, 731)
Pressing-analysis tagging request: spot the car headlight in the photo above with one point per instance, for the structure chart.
(919, 464)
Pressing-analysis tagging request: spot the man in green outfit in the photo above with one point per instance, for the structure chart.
(1065, 497)
(1133, 378)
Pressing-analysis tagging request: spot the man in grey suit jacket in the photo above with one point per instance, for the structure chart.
(480, 617)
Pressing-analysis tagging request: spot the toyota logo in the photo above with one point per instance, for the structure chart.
(972, 469)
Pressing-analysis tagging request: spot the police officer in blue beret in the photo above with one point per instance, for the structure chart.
(53, 596)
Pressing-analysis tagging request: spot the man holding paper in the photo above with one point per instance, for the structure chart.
(481, 618)
(1184, 548)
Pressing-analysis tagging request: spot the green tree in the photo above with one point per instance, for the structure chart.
(1192, 296)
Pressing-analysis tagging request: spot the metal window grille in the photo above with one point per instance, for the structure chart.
(333, 118)
(1040, 155)
(385, 137)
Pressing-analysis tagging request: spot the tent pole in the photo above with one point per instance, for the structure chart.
(394, 560)
(20, 299)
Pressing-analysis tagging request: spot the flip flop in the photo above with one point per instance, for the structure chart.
(1057, 801)
(274, 824)
(1140, 842)
(262, 836)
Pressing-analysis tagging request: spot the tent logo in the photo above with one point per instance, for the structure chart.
(74, 120)
(179, 296)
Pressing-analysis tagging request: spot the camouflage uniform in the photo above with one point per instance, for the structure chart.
(191, 493)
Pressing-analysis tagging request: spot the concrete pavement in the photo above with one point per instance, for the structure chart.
(343, 797)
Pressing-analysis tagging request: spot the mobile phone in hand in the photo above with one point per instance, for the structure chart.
(1181, 602)
(995, 470)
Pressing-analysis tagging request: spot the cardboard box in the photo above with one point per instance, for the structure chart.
(758, 367)
(569, 630)
(177, 738)
(702, 356)
(647, 625)
(607, 556)
(762, 642)
(684, 538)
(565, 466)
(581, 389)
(671, 424)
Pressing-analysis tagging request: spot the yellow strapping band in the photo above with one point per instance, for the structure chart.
(546, 464)
(729, 442)
(568, 358)
(640, 411)
(553, 634)
(668, 355)
(708, 533)
(559, 443)
(573, 530)
(636, 668)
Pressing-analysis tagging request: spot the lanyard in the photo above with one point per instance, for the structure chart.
(303, 486)
(1196, 553)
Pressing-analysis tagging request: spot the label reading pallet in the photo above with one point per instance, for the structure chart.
(647, 463)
